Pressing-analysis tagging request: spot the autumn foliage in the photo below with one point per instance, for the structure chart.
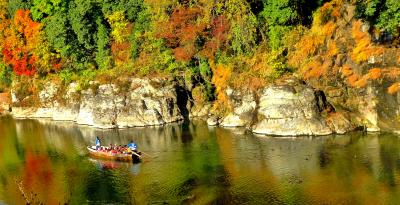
(182, 30)
(338, 46)
(217, 37)
(218, 40)
(394, 88)
(222, 74)
(22, 37)
(364, 49)
(188, 33)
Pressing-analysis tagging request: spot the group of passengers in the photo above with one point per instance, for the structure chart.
(125, 149)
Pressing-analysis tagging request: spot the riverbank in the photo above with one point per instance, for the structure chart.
(285, 108)
(334, 75)
(5, 103)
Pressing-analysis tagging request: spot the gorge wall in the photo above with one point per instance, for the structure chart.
(138, 103)
(288, 108)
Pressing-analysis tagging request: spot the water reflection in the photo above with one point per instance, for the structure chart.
(46, 162)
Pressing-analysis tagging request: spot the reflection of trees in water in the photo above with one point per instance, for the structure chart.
(390, 160)
(248, 179)
(361, 170)
(323, 156)
(28, 172)
(198, 164)
(108, 186)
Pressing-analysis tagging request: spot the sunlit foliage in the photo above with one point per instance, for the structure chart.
(22, 37)
(363, 49)
(259, 40)
(220, 79)
(384, 14)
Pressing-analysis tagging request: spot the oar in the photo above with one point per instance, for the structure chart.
(136, 154)
(147, 154)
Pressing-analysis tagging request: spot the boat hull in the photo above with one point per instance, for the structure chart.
(113, 156)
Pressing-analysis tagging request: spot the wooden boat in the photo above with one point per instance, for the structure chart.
(133, 157)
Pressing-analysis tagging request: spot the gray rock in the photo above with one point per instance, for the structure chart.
(212, 121)
(108, 107)
(244, 105)
(200, 110)
(142, 105)
(233, 120)
(46, 96)
(289, 110)
(339, 123)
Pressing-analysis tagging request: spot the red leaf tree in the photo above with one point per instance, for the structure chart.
(21, 38)
(188, 33)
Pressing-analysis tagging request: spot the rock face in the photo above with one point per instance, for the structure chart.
(145, 103)
(372, 107)
(5, 101)
(200, 111)
(289, 110)
(243, 104)
(70, 108)
(339, 123)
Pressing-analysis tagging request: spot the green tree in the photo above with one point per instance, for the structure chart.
(389, 19)
(58, 33)
(6, 73)
(103, 56)
(130, 8)
(279, 17)
(14, 5)
(41, 9)
(143, 23)
(243, 25)
(384, 14)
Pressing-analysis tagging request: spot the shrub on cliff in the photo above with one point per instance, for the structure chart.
(338, 47)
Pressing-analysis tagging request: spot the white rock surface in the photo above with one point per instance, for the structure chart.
(107, 107)
(243, 104)
(289, 110)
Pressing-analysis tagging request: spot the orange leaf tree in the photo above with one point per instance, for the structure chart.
(21, 38)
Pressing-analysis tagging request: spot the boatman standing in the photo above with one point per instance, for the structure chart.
(132, 146)
(98, 145)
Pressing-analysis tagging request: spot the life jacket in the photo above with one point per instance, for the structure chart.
(97, 141)
(132, 146)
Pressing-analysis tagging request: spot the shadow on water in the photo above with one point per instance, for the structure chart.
(46, 162)
(183, 97)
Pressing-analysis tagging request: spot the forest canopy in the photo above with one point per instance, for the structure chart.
(79, 40)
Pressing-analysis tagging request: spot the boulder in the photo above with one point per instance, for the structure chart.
(339, 123)
(69, 110)
(144, 103)
(200, 110)
(212, 121)
(243, 103)
(289, 110)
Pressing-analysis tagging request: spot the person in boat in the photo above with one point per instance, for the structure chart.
(98, 143)
(132, 147)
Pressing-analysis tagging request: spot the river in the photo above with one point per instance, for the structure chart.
(190, 163)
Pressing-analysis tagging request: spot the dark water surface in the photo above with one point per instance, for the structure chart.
(46, 162)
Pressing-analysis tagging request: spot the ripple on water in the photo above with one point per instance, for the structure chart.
(193, 164)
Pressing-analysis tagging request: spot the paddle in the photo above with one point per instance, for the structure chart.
(147, 154)
(136, 154)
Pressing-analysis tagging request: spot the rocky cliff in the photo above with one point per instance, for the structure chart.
(290, 107)
(140, 103)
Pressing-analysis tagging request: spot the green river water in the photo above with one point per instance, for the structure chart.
(45, 162)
